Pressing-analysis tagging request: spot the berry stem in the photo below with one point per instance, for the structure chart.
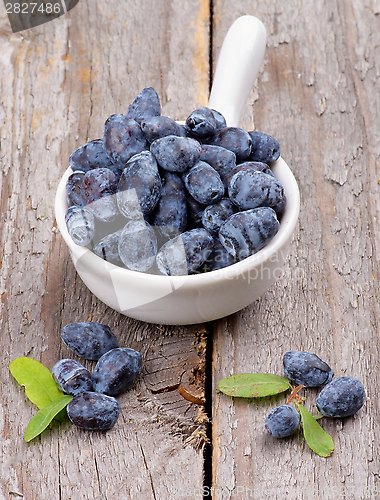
(295, 396)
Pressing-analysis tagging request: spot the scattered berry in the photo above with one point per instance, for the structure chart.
(307, 369)
(72, 377)
(282, 421)
(93, 411)
(342, 397)
(89, 340)
(116, 371)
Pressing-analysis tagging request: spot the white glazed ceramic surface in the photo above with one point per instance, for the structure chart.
(209, 296)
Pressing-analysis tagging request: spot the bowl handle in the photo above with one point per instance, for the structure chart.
(238, 65)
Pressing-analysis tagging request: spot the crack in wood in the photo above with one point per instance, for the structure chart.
(150, 475)
(165, 389)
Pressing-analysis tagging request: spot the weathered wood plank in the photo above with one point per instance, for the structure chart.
(318, 94)
(58, 84)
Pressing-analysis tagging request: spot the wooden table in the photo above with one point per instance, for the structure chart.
(318, 93)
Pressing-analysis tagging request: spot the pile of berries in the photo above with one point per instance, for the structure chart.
(340, 397)
(160, 197)
(94, 406)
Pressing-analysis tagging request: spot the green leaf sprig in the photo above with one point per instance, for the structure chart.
(253, 385)
(44, 417)
(42, 390)
(318, 440)
(258, 385)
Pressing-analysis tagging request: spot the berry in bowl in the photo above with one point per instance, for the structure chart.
(181, 223)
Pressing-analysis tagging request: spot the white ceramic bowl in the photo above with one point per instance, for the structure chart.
(209, 296)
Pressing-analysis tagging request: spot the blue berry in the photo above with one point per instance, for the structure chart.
(282, 421)
(93, 411)
(80, 223)
(194, 212)
(98, 183)
(264, 147)
(176, 154)
(234, 139)
(219, 119)
(219, 258)
(221, 159)
(91, 155)
(145, 105)
(214, 215)
(249, 188)
(170, 214)
(342, 397)
(185, 253)
(305, 368)
(139, 187)
(72, 377)
(137, 245)
(280, 206)
(201, 123)
(74, 190)
(247, 165)
(204, 183)
(89, 340)
(123, 138)
(104, 209)
(134, 172)
(108, 248)
(99, 186)
(161, 126)
(116, 371)
(245, 233)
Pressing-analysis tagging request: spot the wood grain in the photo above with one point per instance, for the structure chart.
(318, 94)
(58, 84)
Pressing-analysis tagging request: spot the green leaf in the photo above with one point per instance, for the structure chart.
(318, 440)
(40, 386)
(253, 385)
(318, 416)
(44, 417)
